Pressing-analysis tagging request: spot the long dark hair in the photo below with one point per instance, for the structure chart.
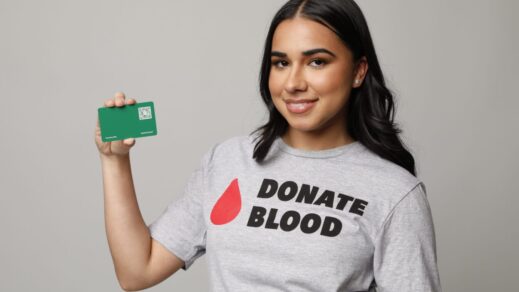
(370, 108)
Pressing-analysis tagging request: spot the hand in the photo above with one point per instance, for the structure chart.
(114, 148)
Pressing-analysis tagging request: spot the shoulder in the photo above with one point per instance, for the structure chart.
(230, 148)
(233, 144)
(382, 176)
(383, 169)
(382, 183)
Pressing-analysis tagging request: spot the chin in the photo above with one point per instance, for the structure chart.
(303, 126)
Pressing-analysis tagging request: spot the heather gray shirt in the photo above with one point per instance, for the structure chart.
(340, 219)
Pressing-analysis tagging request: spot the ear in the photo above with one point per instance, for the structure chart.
(360, 71)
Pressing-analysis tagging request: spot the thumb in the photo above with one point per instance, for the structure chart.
(129, 142)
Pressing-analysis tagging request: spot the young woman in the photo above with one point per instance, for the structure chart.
(323, 197)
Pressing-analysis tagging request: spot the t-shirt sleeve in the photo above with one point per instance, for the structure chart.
(405, 247)
(181, 227)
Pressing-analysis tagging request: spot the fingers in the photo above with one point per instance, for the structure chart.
(119, 100)
(129, 142)
(110, 102)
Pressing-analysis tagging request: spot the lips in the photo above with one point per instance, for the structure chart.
(299, 106)
(290, 100)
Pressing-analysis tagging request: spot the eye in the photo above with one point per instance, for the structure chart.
(318, 62)
(282, 63)
(278, 63)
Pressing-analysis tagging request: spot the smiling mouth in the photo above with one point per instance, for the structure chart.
(301, 100)
(299, 107)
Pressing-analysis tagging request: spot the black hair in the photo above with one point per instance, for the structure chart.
(370, 108)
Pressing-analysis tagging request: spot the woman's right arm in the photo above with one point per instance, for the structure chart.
(139, 261)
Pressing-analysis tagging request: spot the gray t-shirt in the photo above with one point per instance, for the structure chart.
(339, 219)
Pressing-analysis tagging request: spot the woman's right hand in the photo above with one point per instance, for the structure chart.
(114, 148)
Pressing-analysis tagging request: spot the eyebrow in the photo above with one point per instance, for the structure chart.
(305, 53)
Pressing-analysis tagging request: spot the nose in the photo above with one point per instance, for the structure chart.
(295, 80)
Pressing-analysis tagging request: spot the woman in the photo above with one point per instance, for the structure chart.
(323, 197)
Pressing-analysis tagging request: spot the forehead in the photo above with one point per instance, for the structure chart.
(300, 34)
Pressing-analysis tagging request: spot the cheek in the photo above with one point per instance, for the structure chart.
(329, 82)
(274, 84)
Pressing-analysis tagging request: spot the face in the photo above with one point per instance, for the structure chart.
(310, 62)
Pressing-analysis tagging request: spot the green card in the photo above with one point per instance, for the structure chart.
(129, 121)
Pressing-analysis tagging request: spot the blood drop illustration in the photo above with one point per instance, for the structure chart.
(228, 205)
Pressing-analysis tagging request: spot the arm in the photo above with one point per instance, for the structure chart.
(139, 261)
(405, 247)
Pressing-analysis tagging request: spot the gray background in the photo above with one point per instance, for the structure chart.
(452, 65)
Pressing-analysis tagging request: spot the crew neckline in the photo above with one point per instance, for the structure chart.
(324, 153)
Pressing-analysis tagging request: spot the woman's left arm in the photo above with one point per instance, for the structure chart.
(405, 247)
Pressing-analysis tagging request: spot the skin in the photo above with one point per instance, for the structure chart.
(317, 76)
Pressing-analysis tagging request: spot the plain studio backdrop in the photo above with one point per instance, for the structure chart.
(452, 65)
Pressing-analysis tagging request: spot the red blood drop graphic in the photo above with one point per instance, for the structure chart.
(228, 205)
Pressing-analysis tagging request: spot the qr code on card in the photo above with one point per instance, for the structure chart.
(145, 113)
